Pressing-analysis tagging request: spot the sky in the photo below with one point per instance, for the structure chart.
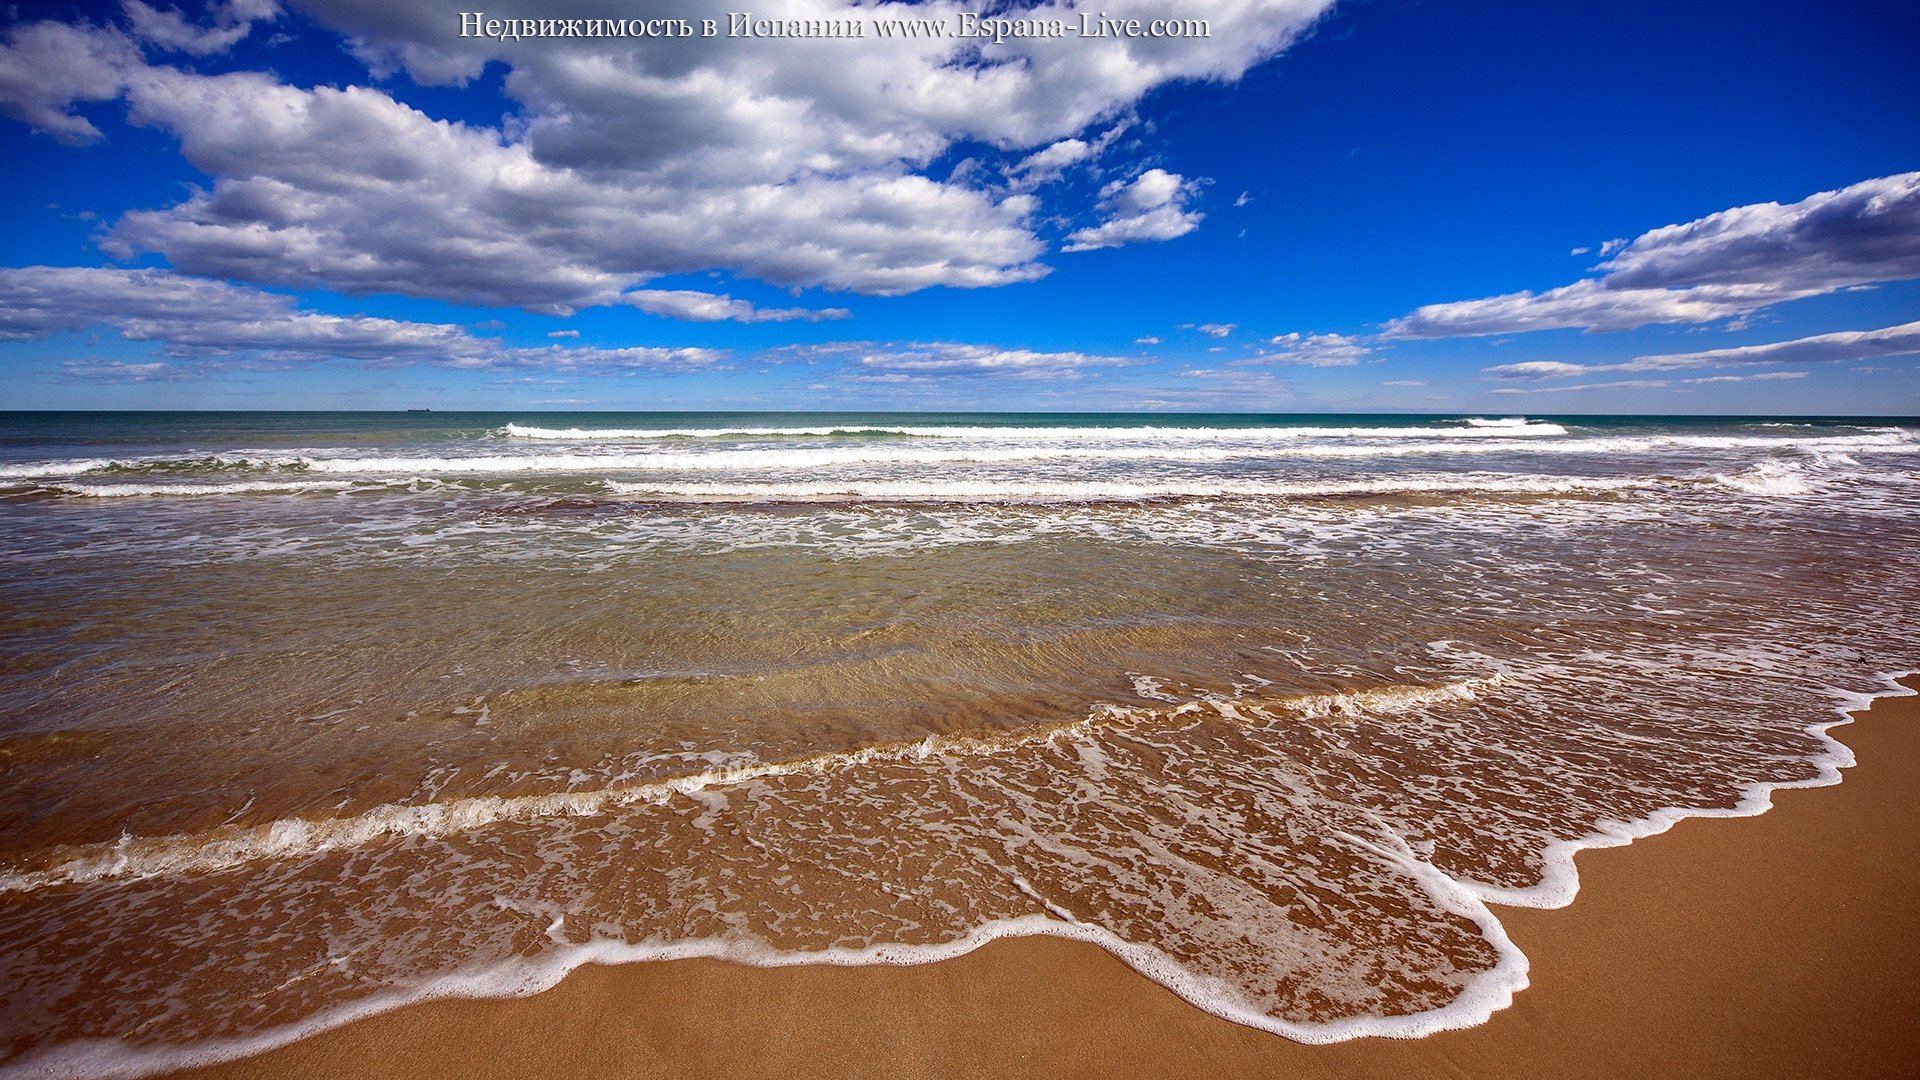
(1316, 205)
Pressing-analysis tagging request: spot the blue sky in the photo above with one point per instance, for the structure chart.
(1366, 205)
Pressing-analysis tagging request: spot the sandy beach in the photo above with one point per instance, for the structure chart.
(1780, 945)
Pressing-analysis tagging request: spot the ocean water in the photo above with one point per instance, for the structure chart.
(304, 716)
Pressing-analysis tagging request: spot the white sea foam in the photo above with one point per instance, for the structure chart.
(140, 857)
(1770, 478)
(994, 446)
(1014, 491)
(1151, 688)
(520, 431)
(239, 487)
(1042, 450)
(1156, 433)
(1560, 878)
(789, 459)
(1487, 992)
(71, 467)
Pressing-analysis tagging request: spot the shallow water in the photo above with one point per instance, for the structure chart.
(320, 713)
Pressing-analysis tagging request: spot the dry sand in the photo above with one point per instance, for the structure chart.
(1786, 945)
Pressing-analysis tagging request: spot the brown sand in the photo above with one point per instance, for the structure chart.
(1785, 945)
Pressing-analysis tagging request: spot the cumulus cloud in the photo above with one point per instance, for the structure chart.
(194, 318)
(1864, 233)
(1590, 305)
(1153, 206)
(1845, 346)
(197, 317)
(711, 307)
(1047, 164)
(351, 190)
(47, 68)
(1624, 384)
(586, 359)
(227, 24)
(36, 301)
(1726, 264)
(1902, 340)
(1052, 162)
(1545, 369)
(801, 164)
(1211, 329)
(622, 103)
(1314, 350)
(897, 361)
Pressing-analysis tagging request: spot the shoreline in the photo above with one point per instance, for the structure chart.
(1772, 944)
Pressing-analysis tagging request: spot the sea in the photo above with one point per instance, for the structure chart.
(305, 716)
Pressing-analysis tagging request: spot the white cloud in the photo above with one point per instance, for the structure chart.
(1726, 264)
(204, 320)
(1314, 350)
(1049, 163)
(227, 25)
(1151, 207)
(956, 358)
(1148, 340)
(711, 307)
(1404, 382)
(47, 67)
(36, 301)
(585, 359)
(1545, 369)
(766, 103)
(351, 190)
(118, 371)
(1586, 304)
(798, 163)
(1845, 346)
(1764, 376)
(933, 363)
(1218, 330)
(1235, 378)
(1625, 384)
(1902, 340)
(1864, 233)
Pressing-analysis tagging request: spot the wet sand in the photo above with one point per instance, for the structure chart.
(1784, 945)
